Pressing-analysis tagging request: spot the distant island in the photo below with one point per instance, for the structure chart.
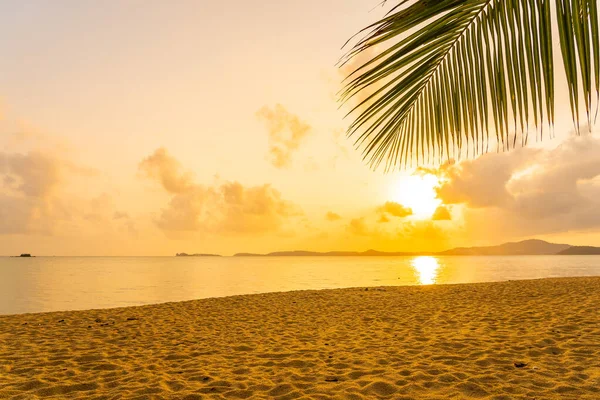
(302, 253)
(580, 251)
(196, 255)
(24, 255)
(531, 247)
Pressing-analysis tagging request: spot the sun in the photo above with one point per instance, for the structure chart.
(417, 192)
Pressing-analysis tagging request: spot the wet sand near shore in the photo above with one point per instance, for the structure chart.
(537, 339)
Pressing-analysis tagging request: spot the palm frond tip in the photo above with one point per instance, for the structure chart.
(455, 73)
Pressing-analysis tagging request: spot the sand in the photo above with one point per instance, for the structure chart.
(433, 342)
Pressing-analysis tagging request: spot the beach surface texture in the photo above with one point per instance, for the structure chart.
(537, 339)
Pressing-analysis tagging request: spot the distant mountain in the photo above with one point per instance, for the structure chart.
(298, 253)
(303, 253)
(526, 247)
(196, 255)
(580, 251)
(523, 248)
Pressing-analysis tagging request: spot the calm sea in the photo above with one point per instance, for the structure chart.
(74, 283)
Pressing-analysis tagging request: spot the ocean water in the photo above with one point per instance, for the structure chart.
(74, 283)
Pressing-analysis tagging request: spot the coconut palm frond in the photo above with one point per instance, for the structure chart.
(451, 76)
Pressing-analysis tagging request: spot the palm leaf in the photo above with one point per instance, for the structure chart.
(454, 76)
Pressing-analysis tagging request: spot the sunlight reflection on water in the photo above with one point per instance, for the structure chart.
(426, 268)
(66, 283)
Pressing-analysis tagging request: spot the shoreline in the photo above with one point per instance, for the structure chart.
(439, 341)
(233, 296)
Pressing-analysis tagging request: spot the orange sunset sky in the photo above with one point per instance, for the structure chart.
(151, 127)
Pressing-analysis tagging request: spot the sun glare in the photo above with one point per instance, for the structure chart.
(417, 192)
(426, 268)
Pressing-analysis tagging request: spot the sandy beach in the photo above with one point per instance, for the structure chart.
(537, 339)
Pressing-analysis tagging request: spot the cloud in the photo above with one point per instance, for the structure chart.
(529, 191)
(286, 134)
(33, 195)
(24, 216)
(227, 208)
(482, 182)
(33, 174)
(120, 215)
(358, 227)
(331, 216)
(383, 219)
(45, 190)
(422, 235)
(441, 214)
(395, 209)
(167, 170)
(257, 209)
(27, 204)
(185, 211)
(360, 233)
